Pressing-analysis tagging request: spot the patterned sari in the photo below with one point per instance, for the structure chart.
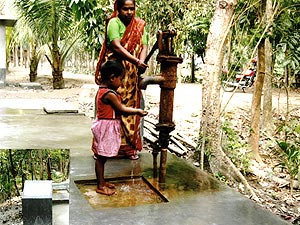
(130, 93)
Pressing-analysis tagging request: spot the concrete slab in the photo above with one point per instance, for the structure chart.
(61, 192)
(51, 109)
(60, 213)
(45, 131)
(31, 85)
(207, 206)
(7, 21)
(201, 206)
(37, 104)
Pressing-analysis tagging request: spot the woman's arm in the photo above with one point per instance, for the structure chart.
(143, 53)
(114, 36)
(118, 48)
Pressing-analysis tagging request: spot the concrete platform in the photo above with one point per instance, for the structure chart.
(206, 202)
(31, 85)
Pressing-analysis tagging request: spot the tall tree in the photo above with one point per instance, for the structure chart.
(211, 106)
(256, 98)
(267, 117)
(256, 103)
(24, 35)
(53, 22)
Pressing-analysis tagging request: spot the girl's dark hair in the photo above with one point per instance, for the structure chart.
(111, 67)
(120, 3)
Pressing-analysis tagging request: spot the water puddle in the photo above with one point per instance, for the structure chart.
(129, 192)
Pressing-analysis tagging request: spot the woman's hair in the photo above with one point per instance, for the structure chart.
(111, 67)
(120, 3)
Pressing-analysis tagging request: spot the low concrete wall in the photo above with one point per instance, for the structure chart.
(37, 202)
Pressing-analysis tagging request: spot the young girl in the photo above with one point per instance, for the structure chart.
(106, 126)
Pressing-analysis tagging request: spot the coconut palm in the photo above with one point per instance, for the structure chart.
(52, 23)
(23, 35)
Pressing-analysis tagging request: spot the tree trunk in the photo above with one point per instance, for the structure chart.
(57, 68)
(58, 80)
(41, 164)
(21, 55)
(256, 99)
(210, 130)
(210, 123)
(57, 72)
(267, 120)
(256, 104)
(13, 171)
(49, 174)
(34, 62)
(93, 61)
(15, 56)
(193, 68)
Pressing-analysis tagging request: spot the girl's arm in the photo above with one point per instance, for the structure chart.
(112, 99)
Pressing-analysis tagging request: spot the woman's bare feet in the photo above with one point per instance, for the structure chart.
(105, 191)
(110, 185)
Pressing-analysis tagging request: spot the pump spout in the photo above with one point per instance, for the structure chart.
(144, 82)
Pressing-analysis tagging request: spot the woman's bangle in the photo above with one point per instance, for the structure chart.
(138, 61)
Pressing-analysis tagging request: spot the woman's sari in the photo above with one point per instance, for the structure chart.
(130, 93)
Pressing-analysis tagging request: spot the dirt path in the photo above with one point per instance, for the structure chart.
(187, 97)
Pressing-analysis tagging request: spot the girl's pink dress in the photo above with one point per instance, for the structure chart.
(106, 127)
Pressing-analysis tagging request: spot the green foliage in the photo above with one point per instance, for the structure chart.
(245, 33)
(289, 148)
(51, 20)
(190, 19)
(159, 15)
(16, 166)
(250, 26)
(235, 148)
(221, 177)
(92, 15)
(286, 37)
(51, 23)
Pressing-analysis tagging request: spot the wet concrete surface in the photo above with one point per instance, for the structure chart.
(60, 213)
(194, 197)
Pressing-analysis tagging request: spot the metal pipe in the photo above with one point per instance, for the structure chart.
(163, 166)
(144, 82)
(155, 154)
(167, 81)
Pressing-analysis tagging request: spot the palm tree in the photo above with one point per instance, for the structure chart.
(24, 35)
(52, 22)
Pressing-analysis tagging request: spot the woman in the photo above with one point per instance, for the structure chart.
(126, 41)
